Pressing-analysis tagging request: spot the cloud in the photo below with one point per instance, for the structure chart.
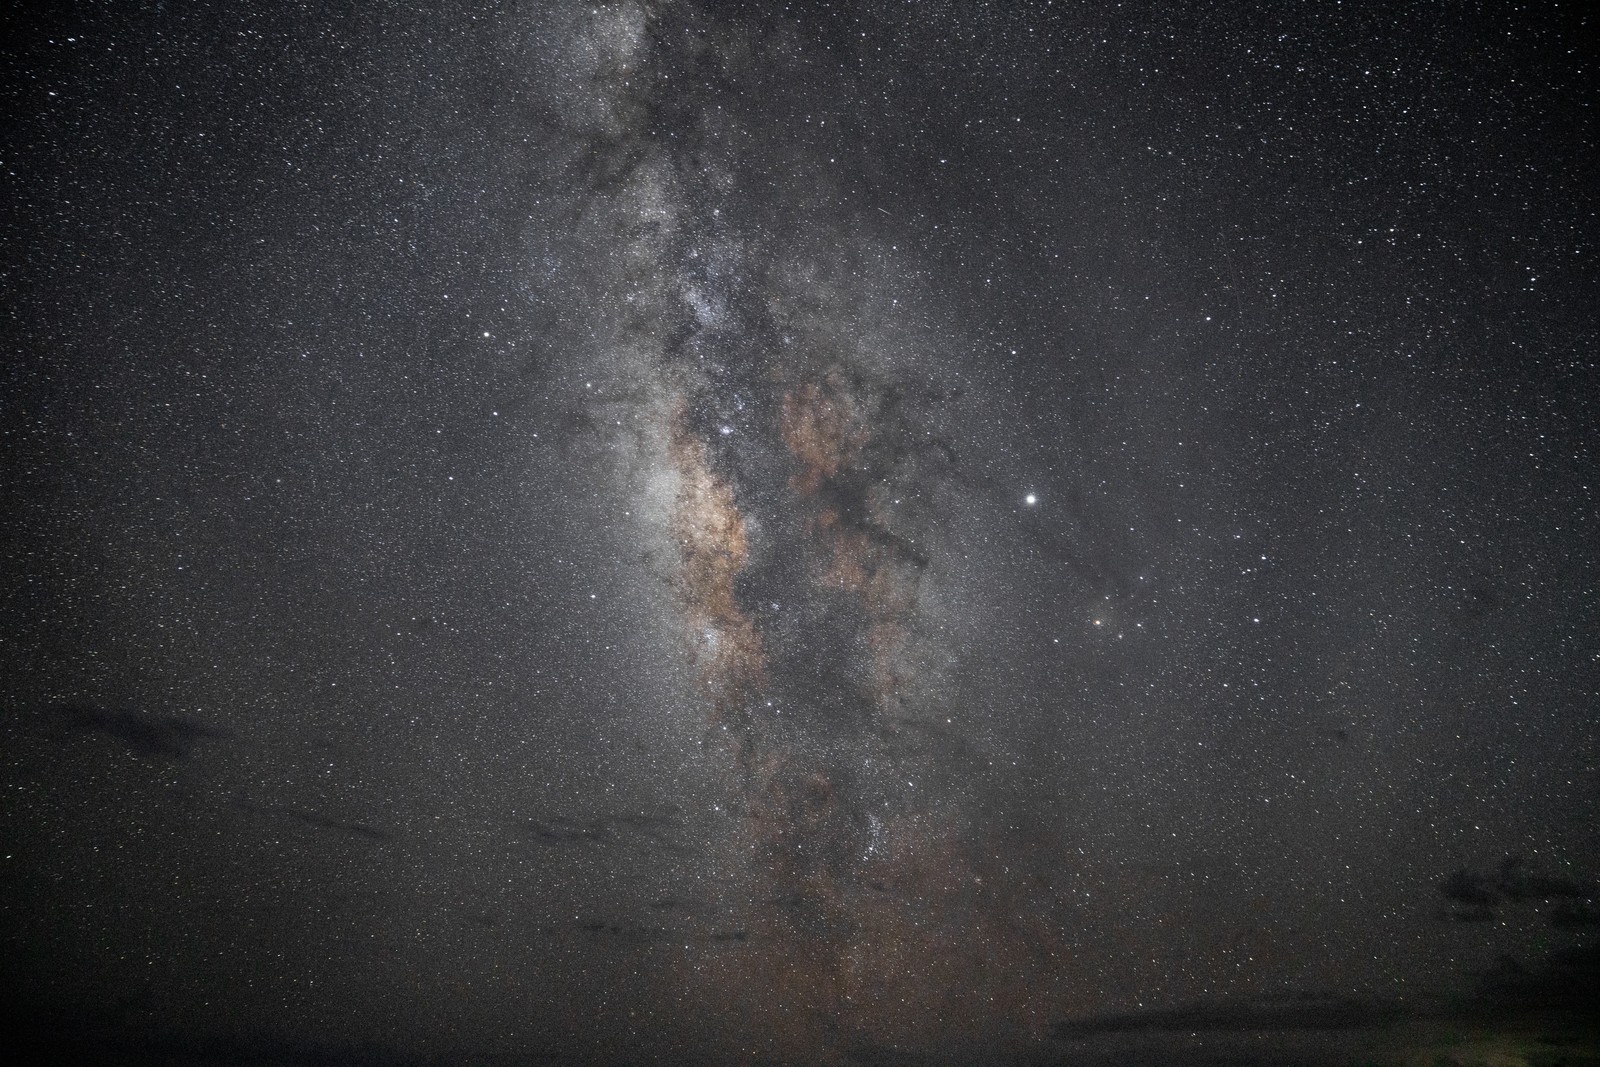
(169, 736)
(1566, 980)
(555, 831)
(56, 1037)
(317, 821)
(1477, 896)
(1299, 1011)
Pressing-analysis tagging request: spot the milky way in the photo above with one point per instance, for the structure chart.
(799, 423)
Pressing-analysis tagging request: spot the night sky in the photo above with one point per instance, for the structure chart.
(862, 533)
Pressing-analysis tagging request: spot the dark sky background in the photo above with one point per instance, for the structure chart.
(871, 533)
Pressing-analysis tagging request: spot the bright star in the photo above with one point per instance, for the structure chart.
(1030, 500)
